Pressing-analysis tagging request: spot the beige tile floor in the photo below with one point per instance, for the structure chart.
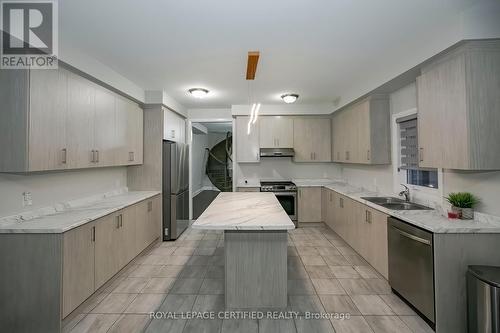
(325, 275)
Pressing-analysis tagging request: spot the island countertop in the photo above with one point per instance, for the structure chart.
(244, 211)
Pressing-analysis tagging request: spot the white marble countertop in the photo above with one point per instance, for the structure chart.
(66, 216)
(431, 220)
(244, 211)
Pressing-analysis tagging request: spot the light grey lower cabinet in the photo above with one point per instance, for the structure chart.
(47, 276)
(309, 204)
(362, 227)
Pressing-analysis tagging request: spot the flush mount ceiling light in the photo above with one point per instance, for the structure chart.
(198, 92)
(289, 98)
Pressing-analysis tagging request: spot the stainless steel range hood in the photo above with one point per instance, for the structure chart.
(277, 152)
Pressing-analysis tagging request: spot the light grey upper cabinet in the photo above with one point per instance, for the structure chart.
(105, 138)
(47, 120)
(312, 140)
(247, 144)
(459, 108)
(56, 119)
(361, 133)
(80, 122)
(276, 132)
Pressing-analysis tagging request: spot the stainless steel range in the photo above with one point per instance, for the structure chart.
(286, 193)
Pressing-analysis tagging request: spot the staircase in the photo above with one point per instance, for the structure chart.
(219, 164)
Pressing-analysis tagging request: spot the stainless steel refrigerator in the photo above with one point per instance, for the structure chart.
(175, 189)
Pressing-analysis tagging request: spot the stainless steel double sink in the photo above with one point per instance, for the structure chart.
(395, 203)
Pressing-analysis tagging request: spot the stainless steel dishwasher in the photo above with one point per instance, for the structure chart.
(411, 265)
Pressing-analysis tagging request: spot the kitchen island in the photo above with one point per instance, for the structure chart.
(255, 248)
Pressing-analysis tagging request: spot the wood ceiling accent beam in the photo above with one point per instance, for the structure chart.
(253, 59)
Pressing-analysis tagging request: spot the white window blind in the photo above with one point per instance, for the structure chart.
(408, 142)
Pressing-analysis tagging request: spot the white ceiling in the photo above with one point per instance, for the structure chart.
(319, 49)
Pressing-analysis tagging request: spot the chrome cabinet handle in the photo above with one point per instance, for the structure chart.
(117, 221)
(341, 202)
(368, 216)
(93, 234)
(97, 156)
(368, 155)
(421, 153)
(64, 156)
(92, 158)
(121, 220)
(130, 156)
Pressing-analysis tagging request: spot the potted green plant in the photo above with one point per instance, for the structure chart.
(463, 203)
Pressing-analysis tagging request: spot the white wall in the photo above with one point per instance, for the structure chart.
(284, 168)
(210, 114)
(198, 145)
(49, 188)
(486, 185)
(284, 109)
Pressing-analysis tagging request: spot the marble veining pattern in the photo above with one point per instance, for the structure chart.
(65, 216)
(432, 220)
(244, 211)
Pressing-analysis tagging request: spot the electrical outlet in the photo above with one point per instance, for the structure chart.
(27, 201)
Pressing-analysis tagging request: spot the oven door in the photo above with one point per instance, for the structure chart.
(288, 201)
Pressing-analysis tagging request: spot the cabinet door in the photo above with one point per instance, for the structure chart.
(104, 128)
(80, 122)
(324, 205)
(139, 134)
(351, 136)
(134, 133)
(343, 224)
(328, 209)
(429, 120)
(321, 140)
(303, 140)
(333, 210)
(247, 144)
(47, 120)
(142, 226)
(363, 230)
(127, 247)
(339, 131)
(107, 248)
(78, 267)
(363, 130)
(276, 132)
(377, 253)
(283, 127)
(155, 218)
(266, 132)
(309, 204)
(121, 125)
(173, 127)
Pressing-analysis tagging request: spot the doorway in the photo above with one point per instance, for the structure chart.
(211, 162)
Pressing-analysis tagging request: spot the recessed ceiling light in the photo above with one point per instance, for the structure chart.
(198, 92)
(289, 98)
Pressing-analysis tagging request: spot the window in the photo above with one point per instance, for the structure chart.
(409, 155)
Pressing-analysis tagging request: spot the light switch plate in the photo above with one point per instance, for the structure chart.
(27, 200)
